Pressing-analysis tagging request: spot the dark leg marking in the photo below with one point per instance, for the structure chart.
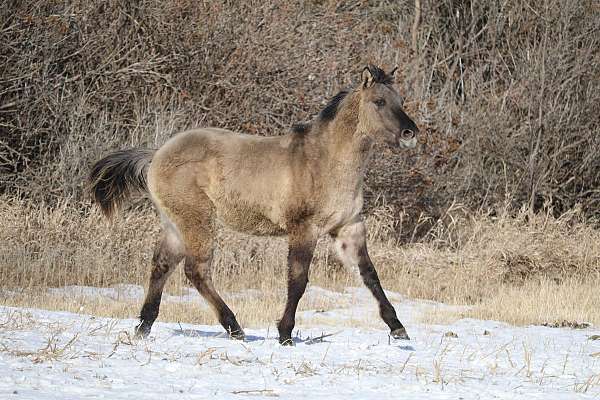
(197, 271)
(164, 262)
(371, 281)
(299, 258)
(352, 249)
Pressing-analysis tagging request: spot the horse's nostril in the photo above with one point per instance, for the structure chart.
(407, 134)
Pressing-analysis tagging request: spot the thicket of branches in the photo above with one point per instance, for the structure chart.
(506, 93)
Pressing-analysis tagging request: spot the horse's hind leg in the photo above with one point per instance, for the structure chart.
(351, 245)
(197, 269)
(167, 254)
(197, 232)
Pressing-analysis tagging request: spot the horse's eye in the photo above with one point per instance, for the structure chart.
(379, 102)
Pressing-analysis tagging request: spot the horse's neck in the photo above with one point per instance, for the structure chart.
(347, 152)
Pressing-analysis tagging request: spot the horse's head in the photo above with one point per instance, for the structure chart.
(381, 116)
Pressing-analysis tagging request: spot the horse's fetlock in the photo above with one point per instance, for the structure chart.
(149, 312)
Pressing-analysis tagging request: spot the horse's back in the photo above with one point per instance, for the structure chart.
(244, 177)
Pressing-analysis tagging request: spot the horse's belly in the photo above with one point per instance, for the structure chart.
(250, 220)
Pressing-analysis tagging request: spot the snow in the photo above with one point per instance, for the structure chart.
(116, 292)
(128, 292)
(59, 355)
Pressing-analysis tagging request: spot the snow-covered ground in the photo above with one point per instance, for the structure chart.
(58, 355)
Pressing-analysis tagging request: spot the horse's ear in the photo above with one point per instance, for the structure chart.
(367, 77)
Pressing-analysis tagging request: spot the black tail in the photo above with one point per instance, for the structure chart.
(116, 176)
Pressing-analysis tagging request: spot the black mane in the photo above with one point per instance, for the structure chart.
(301, 127)
(328, 113)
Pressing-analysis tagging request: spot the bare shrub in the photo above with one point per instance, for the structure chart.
(506, 93)
(525, 79)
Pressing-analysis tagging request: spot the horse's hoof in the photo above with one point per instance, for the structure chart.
(142, 331)
(399, 333)
(286, 341)
(237, 335)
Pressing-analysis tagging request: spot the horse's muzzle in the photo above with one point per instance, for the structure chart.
(407, 134)
(407, 138)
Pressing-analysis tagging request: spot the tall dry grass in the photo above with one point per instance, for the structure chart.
(513, 266)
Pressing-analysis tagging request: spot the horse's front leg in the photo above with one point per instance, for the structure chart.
(351, 245)
(301, 248)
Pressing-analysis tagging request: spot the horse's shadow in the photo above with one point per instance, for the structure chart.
(212, 334)
(253, 338)
(248, 338)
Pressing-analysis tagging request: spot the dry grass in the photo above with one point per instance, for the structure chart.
(543, 301)
(514, 267)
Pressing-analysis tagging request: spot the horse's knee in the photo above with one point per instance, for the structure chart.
(349, 243)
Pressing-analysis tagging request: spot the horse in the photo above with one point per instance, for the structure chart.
(304, 184)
